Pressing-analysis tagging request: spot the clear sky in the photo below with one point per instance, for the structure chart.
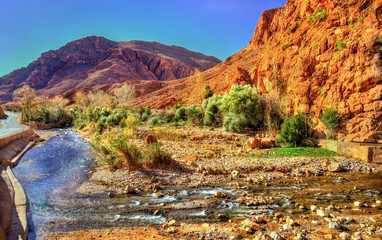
(213, 27)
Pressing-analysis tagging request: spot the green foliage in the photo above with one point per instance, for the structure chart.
(131, 122)
(284, 46)
(130, 152)
(298, 22)
(379, 39)
(294, 130)
(195, 115)
(154, 121)
(296, 152)
(360, 20)
(181, 114)
(99, 127)
(212, 111)
(207, 91)
(156, 157)
(304, 36)
(289, 29)
(243, 107)
(234, 123)
(177, 105)
(330, 119)
(7, 108)
(315, 46)
(252, 70)
(340, 44)
(320, 14)
(351, 25)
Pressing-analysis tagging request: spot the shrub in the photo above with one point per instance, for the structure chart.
(298, 22)
(131, 122)
(181, 114)
(234, 123)
(284, 46)
(243, 107)
(130, 152)
(212, 111)
(156, 157)
(293, 130)
(330, 119)
(195, 115)
(154, 121)
(320, 14)
(340, 44)
(207, 91)
(99, 127)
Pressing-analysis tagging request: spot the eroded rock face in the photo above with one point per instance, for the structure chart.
(2, 113)
(6, 202)
(95, 61)
(313, 54)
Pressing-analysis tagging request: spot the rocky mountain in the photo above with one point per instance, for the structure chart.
(94, 61)
(312, 54)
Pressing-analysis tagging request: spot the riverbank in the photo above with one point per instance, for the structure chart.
(238, 193)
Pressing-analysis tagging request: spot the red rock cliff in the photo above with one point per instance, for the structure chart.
(314, 54)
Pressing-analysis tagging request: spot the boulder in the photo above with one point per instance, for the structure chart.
(150, 139)
(191, 158)
(256, 143)
(248, 223)
(335, 167)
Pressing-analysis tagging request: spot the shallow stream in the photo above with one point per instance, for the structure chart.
(51, 173)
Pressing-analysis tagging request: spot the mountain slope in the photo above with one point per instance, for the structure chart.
(94, 61)
(312, 54)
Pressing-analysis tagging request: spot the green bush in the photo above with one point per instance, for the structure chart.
(154, 121)
(330, 119)
(340, 44)
(195, 115)
(181, 114)
(130, 152)
(212, 111)
(243, 107)
(234, 123)
(320, 14)
(156, 157)
(99, 127)
(207, 91)
(294, 130)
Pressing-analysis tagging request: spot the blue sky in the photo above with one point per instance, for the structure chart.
(213, 27)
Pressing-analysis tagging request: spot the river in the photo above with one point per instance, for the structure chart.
(52, 172)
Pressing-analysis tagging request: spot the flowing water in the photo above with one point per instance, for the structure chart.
(51, 173)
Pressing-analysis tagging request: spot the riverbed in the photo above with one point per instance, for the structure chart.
(64, 197)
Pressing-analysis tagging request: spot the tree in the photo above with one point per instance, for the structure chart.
(293, 130)
(243, 107)
(330, 119)
(25, 96)
(125, 94)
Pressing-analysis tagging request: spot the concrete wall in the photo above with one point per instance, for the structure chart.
(24, 134)
(371, 153)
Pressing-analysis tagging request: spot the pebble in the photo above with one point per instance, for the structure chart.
(358, 204)
(287, 227)
(335, 225)
(322, 213)
(345, 236)
(275, 236)
(171, 230)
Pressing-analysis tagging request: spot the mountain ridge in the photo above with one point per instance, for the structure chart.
(93, 61)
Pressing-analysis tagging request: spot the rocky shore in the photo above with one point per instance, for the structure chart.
(320, 197)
